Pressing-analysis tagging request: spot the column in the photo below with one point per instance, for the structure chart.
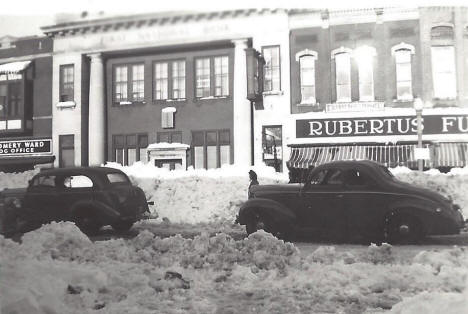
(242, 116)
(97, 132)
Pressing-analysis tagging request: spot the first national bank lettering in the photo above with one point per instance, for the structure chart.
(403, 125)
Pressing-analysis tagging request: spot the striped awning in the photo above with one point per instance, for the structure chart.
(391, 156)
(450, 154)
(13, 67)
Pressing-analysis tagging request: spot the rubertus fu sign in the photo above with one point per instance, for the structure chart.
(25, 147)
(372, 126)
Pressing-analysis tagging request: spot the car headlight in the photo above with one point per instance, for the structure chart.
(17, 203)
(438, 210)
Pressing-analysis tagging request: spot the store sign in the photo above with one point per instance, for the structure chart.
(394, 125)
(25, 147)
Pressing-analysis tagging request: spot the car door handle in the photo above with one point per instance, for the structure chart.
(340, 196)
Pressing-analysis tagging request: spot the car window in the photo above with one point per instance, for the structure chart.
(354, 177)
(318, 177)
(45, 181)
(78, 181)
(334, 177)
(116, 177)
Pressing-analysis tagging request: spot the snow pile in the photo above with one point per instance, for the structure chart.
(56, 269)
(15, 180)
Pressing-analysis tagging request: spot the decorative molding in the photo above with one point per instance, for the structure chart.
(403, 46)
(342, 49)
(306, 52)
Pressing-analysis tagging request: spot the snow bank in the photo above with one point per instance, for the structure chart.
(56, 269)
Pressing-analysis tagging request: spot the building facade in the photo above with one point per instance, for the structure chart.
(25, 103)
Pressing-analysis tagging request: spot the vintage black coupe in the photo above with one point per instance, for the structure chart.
(89, 196)
(343, 199)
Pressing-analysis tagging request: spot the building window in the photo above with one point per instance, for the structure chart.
(169, 137)
(272, 139)
(272, 70)
(211, 149)
(365, 61)
(221, 72)
(67, 81)
(67, 150)
(169, 80)
(203, 77)
(130, 148)
(443, 72)
(307, 77)
(129, 84)
(403, 74)
(343, 77)
(167, 117)
(442, 32)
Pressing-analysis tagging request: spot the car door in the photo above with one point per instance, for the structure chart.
(76, 188)
(41, 199)
(362, 201)
(323, 203)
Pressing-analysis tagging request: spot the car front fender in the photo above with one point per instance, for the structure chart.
(265, 206)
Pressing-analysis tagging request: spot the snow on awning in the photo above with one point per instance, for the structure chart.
(13, 67)
(392, 155)
(451, 154)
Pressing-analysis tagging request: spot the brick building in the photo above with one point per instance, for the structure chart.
(25, 102)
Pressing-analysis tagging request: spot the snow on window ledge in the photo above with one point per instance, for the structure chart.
(66, 104)
(273, 92)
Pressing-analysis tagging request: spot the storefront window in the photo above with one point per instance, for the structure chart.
(211, 149)
(272, 69)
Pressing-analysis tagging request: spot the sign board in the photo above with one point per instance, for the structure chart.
(26, 147)
(422, 153)
(373, 126)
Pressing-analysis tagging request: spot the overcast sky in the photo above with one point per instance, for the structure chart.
(24, 17)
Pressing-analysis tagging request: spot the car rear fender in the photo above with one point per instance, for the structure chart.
(268, 207)
(103, 212)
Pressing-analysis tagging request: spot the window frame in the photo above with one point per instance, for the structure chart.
(453, 95)
(125, 147)
(130, 80)
(66, 91)
(272, 90)
(170, 80)
(205, 145)
(349, 77)
(212, 76)
(171, 135)
(299, 56)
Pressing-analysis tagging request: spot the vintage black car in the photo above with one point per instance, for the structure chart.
(89, 196)
(350, 198)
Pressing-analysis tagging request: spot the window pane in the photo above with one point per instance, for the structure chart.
(131, 152)
(225, 154)
(161, 79)
(199, 157)
(307, 75)
(366, 77)
(143, 154)
(221, 76)
(443, 71)
(138, 82)
(178, 79)
(163, 138)
(211, 138)
(343, 77)
(224, 137)
(211, 157)
(131, 140)
(198, 139)
(120, 83)
(272, 69)
(119, 141)
(67, 82)
(203, 77)
(119, 156)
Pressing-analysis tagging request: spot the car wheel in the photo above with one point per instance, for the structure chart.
(403, 229)
(122, 226)
(87, 224)
(267, 224)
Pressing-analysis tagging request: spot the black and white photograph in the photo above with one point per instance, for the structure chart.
(255, 157)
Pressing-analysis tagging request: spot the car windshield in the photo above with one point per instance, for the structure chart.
(116, 177)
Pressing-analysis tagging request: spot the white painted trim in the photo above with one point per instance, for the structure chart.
(41, 117)
(306, 52)
(342, 49)
(403, 46)
(66, 104)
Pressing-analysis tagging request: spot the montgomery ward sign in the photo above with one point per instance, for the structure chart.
(25, 147)
(394, 125)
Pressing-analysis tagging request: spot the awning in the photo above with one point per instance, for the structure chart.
(391, 155)
(451, 155)
(26, 160)
(13, 67)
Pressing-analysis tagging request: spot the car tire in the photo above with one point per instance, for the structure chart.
(402, 229)
(87, 223)
(122, 226)
(263, 222)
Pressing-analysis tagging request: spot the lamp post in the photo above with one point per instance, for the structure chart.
(418, 106)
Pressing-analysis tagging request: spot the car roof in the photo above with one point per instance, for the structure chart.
(79, 170)
(351, 163)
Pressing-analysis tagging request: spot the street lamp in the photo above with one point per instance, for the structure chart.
(418, 106)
